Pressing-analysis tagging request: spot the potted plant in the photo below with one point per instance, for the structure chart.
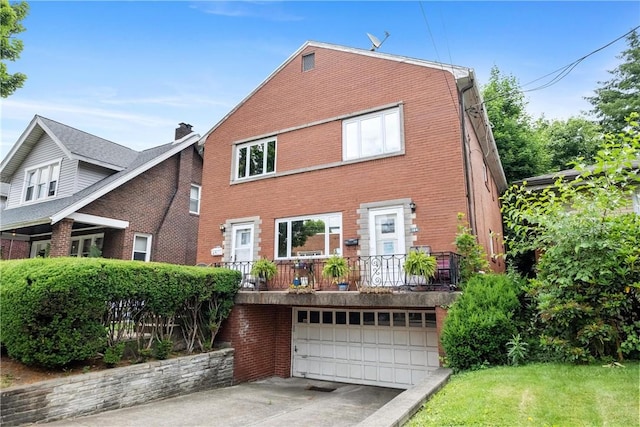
(337, 268)
(419, 263)
(263, 270)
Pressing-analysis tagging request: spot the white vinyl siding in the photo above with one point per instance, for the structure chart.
(45, 152)
(89, 174)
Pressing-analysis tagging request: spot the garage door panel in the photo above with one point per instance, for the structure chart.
(400, 337)
(385, 336)
(432, 339)
(418, 338)
(385, 355)
(389, 348)
(314, 333)
(433, 359)
(370, 354)
(401, 356)
(369, 336)
(342, 352)
(355, 335)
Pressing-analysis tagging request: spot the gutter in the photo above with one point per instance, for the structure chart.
(465, 154)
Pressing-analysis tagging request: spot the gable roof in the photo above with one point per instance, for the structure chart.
(465, 81)
(76, 144)
(52, 211)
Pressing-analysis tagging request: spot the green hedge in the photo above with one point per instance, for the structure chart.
(59, 310)
(480, 322)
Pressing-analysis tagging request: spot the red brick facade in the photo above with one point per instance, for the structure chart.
(440, 168)
(156, 203)
(261, 337)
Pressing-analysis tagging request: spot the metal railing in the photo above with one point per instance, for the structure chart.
(365, 271)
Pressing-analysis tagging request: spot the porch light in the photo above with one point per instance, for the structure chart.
(412, 205)
(223, 228)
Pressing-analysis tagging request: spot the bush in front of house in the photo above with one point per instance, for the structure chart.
(56, 311)
(481, 322)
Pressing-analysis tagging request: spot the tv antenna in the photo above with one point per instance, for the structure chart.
(375, 43)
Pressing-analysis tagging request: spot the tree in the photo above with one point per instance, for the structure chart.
(587, 287)
(620, 96)
(574, 140)
(520, 148)
(10, 47)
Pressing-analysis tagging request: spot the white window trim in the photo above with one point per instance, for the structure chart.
(236, 158)
(149, 237)
(30, 169)
(636, 201)
(362, 117)
(199, 187)
(84, 237)
(325, 217)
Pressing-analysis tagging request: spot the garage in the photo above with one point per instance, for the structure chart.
(387, 348)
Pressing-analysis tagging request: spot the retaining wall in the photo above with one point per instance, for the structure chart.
(95, 392)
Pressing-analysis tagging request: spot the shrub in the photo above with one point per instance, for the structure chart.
(481, 322)
(113, 355)
(59, 310)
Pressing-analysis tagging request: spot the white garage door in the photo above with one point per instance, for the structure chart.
(389, 348)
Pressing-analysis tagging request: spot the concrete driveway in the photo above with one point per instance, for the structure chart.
(272, 402)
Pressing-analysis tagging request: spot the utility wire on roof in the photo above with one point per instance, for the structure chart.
(426, 21)
(563, 71)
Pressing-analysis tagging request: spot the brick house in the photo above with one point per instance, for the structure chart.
(358, 153)
(73, 194)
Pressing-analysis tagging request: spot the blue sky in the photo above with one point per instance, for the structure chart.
(131, 71)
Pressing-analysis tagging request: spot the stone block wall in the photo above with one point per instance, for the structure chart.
(95, 392)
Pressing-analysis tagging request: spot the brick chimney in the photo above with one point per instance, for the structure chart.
(183, 130)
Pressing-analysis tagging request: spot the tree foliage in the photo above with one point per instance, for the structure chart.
(519, 146)
(587, 287)
(618, 97)
(573, 140)
(11, 47)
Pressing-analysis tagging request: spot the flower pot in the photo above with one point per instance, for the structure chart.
(343, 286)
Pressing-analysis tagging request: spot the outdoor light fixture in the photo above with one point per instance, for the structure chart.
(412, 205)
(223, 228)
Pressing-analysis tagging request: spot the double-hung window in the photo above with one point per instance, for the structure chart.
(308, 236)
(194, 199)
(42, 182)
(141, 247)
(372, 134)
(255, 158)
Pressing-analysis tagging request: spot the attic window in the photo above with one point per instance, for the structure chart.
(41, 182)
(308, 62)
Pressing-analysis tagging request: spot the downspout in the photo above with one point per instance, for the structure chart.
(467, 162)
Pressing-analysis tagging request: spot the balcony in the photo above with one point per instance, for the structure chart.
(380, 272)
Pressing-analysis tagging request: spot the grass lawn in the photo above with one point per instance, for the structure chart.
(537, 395)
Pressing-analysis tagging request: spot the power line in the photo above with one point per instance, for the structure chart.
(562, 72)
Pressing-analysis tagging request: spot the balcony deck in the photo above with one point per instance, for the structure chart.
(371, 273)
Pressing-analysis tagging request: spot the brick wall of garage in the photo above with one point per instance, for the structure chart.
(261, 338)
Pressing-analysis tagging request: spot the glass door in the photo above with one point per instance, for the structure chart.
(387, 246)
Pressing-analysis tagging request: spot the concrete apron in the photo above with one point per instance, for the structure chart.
(276, 402)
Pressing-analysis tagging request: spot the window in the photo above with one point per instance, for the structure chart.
(42, 182)
(308, 62)
(372, 134)
(255, 158)
(194, 199)
(317, 235)
(141, 247)
(81, 246)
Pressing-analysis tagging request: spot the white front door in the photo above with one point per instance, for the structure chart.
(386, 228)
(242, 247)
